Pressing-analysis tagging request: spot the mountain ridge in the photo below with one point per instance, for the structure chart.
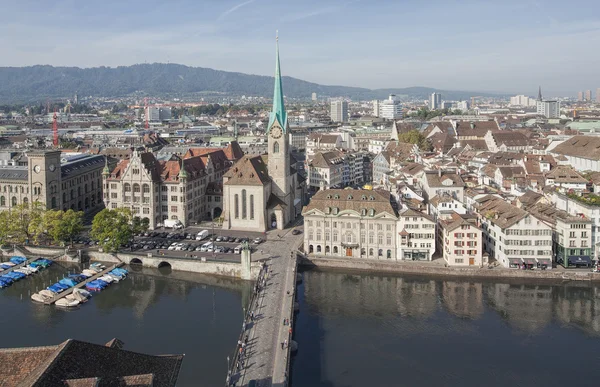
(41, 82)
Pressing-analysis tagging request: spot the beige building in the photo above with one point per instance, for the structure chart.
(416, 236)
(462, 241)
(351, 223)
(177, 189)
(73, 185)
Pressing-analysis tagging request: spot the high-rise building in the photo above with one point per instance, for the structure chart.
(314, 96)
(548, 109)
(598, 95)
(435, 101)
(339, 111)
(580, 96)
(588, 95)
(463, 106)
(376, 108)
(390, 108)
(522, 100)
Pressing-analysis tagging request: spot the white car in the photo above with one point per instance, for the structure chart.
(173, 246)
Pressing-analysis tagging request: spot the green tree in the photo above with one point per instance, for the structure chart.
(415, 137)
(26, 222)
(63, 226)
(5, 229)
(139, 225)
(112, 228)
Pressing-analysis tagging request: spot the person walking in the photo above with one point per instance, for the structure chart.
(285, 343)
(282, 345)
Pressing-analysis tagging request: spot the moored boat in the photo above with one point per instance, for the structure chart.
(66, 302)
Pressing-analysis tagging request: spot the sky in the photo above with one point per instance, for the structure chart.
(508, 46)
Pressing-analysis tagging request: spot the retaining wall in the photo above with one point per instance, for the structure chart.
(435, 270)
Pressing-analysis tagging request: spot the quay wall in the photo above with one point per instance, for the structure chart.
(424, 269)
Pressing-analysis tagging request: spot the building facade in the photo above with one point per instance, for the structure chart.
(390, 108)
(548, 109)
(339, 111)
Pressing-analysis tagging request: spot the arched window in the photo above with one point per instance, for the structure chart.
(92, 185)
(136, 188)
(335, 249)
(363, 252)
(14, 201)
(311, 249)
(86, 188)
(244, 213)
(64, 197)
(236, 206)
(72, 194)
(127, 187)
(251, 206)
(25, 200)
(53, 201)
(380, 253)
(276, 147)
(318, 248)
(2, 201)
(326, 249)
(78, 191)
(389, 254)
(146, 189)
(371, 252)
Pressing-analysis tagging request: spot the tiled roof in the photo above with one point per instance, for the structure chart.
(565, 174)
(80, 363)
(80, 166)
(587, 147)
(457, 220)
(549, 213)
(324, 138)
(475, 144)
(326, 159)
(399, 150)
(356, 200)
(499, 211)
(14, 173)
(476, 128)
(435, 179)
(442, 141)
(529, 198)
(249, 170)
(412, 168)
(510, 138)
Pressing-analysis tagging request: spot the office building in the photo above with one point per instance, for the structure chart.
(522, 100)
(598, 95)
(548, 109)
(314, 97)
(435, 101)
(580, 96)
(463, 106)
(376, 108)
(588, 95)
(339, 111)
(390, 108)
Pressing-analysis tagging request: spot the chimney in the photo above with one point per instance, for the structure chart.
(440, 172)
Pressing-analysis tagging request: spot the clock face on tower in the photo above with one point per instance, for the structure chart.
(37, 169)
(276, 132)
(52, 167)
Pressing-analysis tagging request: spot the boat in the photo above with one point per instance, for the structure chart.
(65, 302)
(95, 286)
(115, 277)
(24, 271)
(46, 293)
(5, 266)
(106, 278)
(120, 270)
(7, 279)
(77, 277)
(54, 288)
(98, 265)
(81, 295)
(39, 298)
(68, 282)
(32, 268)
(17, 260)
(95, 269)
(88, 273)
(8, 263)
(16, 275)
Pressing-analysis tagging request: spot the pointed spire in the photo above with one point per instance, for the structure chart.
(278, 112)
(106, 171)
(540, 93)
(394, 135)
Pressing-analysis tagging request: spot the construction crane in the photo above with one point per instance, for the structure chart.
(146, 112)
(473, 100)
(55, 129)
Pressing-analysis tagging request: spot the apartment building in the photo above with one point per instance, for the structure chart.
(462, 241)
(337, 169)
(416, 236)
(443, 182)
(512, 236)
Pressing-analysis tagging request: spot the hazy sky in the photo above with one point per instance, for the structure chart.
(504, 45)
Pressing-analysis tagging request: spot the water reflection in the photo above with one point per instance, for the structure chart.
(528, 308)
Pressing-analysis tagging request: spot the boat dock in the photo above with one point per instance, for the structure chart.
(27, 262)
(82, 284)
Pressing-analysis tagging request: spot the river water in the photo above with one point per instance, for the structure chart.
(376, 330)
(152, 311)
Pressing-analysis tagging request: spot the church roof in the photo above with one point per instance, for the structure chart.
(249, 170)
(278, 113)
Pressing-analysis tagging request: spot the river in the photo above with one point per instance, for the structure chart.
(152, 311)
(380, 330)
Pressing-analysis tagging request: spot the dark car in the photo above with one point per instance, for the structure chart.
(238, 240)
(296, 232)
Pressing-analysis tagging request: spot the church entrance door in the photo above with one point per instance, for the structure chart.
(348, 252)
(273, 221)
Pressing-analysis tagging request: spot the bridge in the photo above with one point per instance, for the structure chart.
(265, 356)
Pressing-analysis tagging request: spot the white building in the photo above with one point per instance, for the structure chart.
(339, 111)
(435, 101)
(463, 106)
(390, 108)
(512, 236)
(522, 100)
(376, 108)
(314, 97)
(582, 152)
(548, 109)
(581, 209)
(416, 236)
(462, 241)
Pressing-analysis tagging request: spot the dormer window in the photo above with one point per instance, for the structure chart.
(371, 198)
(328, 196)
(372, 212)
(336, 197)
(349, 197)
(335, 210)
(363, 212)
(364, 197)
(328, 210)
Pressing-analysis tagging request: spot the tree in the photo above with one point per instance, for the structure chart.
(63, 226)
(415, 137)
(139, 225)
(26, 222)
(112, 228)
(5, 232)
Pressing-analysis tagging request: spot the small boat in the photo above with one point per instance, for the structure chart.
(77, 277)
(16, 275)
(95, 286)
(98, 265)
(81, 295)
(54, 288)
(68, 282)
(39, 298)
(115, 277)
(18, 260)
(10, 264)
(7, 279)
(67, 303)
(5, 266)
(95, 269)
(24, 271)
(46, 293)
(106, 278)
(88, 273)
(32, 268)
(120, 270)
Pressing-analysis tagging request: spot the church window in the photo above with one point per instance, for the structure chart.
(244, 212)
(127, 187)
(251, 206)
(276, 147)
(146, 188)
(53, 205)
(14, 201)
(136, 188)
(236, 206)
(2, 201)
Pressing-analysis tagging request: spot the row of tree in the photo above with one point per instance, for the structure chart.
(115, 228)
(32, 223)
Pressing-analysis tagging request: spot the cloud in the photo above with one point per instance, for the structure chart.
(317, 12)
(234, 8)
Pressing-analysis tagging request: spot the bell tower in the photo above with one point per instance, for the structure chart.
(278, 142)
(45, 178)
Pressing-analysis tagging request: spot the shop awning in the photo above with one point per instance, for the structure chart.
(529, 261)
(544, 261)
(514, 261)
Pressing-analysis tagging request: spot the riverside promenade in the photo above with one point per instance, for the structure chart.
(264, 359)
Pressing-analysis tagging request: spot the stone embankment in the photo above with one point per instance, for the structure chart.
(433, 269)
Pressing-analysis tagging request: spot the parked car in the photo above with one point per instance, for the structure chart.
(238, 240)
(257, 241)
(296, 232)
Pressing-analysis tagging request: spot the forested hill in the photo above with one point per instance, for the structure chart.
(37, 83)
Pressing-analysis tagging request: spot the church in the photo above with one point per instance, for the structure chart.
(263, 192)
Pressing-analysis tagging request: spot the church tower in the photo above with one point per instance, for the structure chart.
(279, 151)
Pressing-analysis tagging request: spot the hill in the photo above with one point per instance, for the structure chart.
(37, 83)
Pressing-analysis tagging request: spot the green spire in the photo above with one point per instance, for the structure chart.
(278, 113)
(182, 172)
(106, 171)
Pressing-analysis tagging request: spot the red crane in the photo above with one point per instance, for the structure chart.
(55, 129)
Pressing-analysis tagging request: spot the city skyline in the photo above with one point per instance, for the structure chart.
(506, 48)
